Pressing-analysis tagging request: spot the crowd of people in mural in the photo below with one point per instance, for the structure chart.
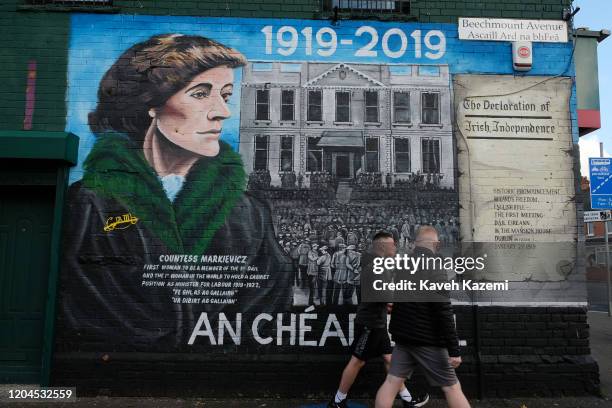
(324, 180)
(325, 239)
(259, 179)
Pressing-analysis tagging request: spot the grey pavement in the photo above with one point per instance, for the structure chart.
(107, 402)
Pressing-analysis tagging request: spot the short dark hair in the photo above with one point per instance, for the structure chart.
(148, 74)
(382, 235)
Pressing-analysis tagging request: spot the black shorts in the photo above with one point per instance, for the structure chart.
(370, 342)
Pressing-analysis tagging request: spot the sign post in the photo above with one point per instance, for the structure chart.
(608, 270)
(600, 170)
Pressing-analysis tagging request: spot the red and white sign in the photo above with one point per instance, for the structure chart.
(522, 55)
(524, 52)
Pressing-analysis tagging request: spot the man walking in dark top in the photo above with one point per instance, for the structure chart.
(371, 337)
(425, 336)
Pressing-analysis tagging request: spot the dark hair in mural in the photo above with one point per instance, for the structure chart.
(149, 73)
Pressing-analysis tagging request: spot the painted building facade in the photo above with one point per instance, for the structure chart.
(347, 118)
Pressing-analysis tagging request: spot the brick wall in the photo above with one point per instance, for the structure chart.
(511, 351)
(536, 351)
(423, 10)
(33, 37)
(449, 11)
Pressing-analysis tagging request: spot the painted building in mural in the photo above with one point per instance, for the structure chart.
(347, 119)
(231, 173)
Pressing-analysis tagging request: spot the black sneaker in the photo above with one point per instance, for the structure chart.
(417, 401)
(334, 404)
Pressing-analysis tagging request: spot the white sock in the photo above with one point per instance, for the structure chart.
(405, 395)
(339, 397)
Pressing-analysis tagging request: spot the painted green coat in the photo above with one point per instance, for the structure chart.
(103, 302)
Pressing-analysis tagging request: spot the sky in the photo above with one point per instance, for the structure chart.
(596, 14)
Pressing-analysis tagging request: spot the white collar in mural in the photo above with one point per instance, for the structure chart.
(172, 184)
(338, 67)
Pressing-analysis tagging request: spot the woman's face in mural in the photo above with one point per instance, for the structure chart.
(192, 118)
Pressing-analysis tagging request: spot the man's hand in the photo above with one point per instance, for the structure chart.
(389, 307)
(454, 361)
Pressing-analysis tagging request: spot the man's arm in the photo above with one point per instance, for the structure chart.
(445, 317)
(446, 324)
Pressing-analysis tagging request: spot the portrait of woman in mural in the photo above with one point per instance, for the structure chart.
(161, 208)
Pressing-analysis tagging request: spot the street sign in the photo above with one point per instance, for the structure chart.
(504, 29)
(600, 171)
(594, 216)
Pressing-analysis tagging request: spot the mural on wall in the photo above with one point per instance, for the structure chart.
(522, 216)
(158, 156)
(342, 151)
(227, 188)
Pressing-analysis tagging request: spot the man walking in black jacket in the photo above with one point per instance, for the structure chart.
(371, 337)
(425, 336)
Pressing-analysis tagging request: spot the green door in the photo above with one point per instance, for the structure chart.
(26, 219)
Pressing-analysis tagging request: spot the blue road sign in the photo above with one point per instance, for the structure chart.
(600, 172)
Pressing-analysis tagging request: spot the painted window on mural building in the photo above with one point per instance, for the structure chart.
(401, 107)
(372, 155)
(343, 107)
(286, 153)
(430, 151)
(371, 106)
(430, 108)
(261, 152)
(287, 104)
(402, 155)
(263, 104)
(315, 106)
(314, 161)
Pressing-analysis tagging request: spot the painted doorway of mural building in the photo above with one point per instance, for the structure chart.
(26, 220)
(342, 165)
